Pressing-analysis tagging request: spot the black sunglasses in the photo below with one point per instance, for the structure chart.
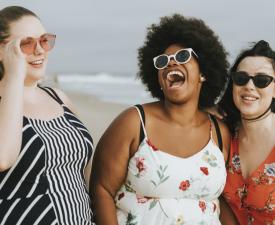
(181, 56)
(260, 80)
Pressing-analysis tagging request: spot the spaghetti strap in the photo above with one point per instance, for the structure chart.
(211, 129)
(218, 131)
(53, 94)
(141, 113)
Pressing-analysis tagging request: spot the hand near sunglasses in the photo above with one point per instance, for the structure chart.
(14, 60)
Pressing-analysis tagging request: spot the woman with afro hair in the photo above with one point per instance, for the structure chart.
(164, 162)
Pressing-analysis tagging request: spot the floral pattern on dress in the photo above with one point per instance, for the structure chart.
(143, 199)
(184, 185)
(235, 166)
(204, 170)
(164, 189)
(211, 159)
(153, 203)
(254, 196)
(161, 176)
(140, 166)
(242, 191)
(179, 220)
(151, 145)
(202, 205)
(128, 187)
(270, 169)
(207, 162)
(131, 219)
(262, 179)
(121, 195)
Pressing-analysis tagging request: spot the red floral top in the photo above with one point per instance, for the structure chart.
(252, 199)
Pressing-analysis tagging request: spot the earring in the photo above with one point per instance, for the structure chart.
(202, 79)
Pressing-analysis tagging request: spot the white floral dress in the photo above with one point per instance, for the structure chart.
(162, 189)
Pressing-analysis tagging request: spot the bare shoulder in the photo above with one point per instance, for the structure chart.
(65, 99)
(125, 123)
(153, 108)
(129, 114)
(123, 132)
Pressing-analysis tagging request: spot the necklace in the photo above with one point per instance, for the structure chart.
(260, 117)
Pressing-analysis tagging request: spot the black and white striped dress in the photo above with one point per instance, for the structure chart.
(46, 186)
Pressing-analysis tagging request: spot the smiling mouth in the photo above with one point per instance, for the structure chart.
(249, 98)
(37, 62)
(175, 78)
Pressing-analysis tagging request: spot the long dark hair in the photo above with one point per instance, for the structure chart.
(7, 16)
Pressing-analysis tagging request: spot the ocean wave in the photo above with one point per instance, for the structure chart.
(107, 87)
(97, 78)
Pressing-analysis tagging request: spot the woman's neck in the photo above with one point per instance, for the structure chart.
(30, 83)
(182, 114)
(259, 128)
(30, 93)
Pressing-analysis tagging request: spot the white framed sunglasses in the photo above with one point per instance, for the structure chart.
(182, 56)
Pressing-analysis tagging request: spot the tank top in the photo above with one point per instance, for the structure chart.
(46, 184)
(252, 199)
(163, 189)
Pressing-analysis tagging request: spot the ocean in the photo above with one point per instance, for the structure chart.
(120, 89)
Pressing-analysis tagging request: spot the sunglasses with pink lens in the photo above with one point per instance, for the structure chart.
(46, 41)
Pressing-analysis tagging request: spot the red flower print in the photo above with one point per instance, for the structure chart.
(140, 164)
(151, 145)
(121, 195)
(184, 185)
(142, 199)
(204, 170)
(202, 205)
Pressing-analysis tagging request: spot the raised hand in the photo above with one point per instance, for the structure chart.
(15, 66)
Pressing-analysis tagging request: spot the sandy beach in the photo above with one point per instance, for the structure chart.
(95, 114)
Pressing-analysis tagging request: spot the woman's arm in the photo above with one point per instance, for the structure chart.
(227, 216)
(11, 103)
(110, 164)
(66, 100)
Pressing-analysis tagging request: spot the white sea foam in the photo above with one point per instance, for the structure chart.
(98, 78)
(110, 88)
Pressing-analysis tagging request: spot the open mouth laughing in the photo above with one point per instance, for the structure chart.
(175, 78)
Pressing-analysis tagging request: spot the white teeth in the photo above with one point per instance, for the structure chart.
(175, 73)
(37, 62)
(249, 98)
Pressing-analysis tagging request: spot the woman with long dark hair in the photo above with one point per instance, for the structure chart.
(250, 105)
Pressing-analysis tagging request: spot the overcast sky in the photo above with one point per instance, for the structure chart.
(103, 36)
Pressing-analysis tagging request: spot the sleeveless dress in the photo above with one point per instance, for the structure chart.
(163, 189)
(252, 199)
(46, 185)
